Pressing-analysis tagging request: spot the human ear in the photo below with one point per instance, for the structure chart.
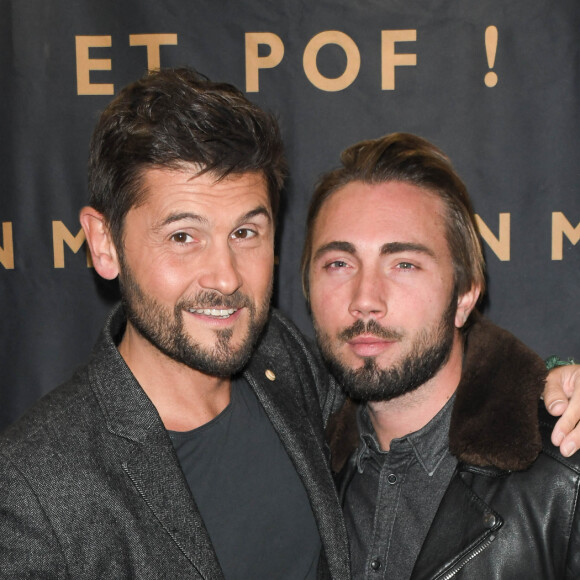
(98, 235)
(465, 304)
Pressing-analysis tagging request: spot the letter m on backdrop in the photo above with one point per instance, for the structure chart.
(562, 227)
(61, 236)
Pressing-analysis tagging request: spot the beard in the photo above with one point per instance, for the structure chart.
(164, 328)
(429, 351)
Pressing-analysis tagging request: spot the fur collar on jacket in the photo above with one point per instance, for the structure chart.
(494, 421)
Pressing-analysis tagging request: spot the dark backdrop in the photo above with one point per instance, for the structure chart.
(335, 72)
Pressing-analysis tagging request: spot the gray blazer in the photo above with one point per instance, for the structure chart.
(90, 486)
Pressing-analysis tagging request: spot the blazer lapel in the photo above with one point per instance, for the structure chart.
(291, 421)
(154, 472)
(145, 453)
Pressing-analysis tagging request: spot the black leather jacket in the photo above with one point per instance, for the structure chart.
(511, 509)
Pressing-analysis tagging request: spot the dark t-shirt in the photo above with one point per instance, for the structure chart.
(250, 497)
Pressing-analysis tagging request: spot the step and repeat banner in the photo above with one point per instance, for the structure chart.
(495, 84)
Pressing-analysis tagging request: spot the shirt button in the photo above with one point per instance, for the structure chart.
(376, 564)
(392, 479)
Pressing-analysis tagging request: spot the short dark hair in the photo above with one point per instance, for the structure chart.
(173, 117)
(411, 159)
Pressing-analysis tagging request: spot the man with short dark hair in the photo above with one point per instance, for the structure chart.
(192, 444)
(445, 468)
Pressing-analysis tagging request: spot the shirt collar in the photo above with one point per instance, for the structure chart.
(430, 444)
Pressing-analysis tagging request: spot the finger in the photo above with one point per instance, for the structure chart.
(566, 436)
(554, 395)
(566, 433)
(571, 443)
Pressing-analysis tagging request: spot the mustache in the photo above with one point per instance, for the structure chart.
(369, 327)
(208, 299)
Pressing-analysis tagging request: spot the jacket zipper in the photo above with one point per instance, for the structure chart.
(467, 559)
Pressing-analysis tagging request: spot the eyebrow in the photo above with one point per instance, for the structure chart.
(334, 246)
(398, 247)
(175, 217)
(260, 210)
(386, 249)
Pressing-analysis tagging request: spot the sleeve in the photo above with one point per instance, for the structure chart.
(28, 546)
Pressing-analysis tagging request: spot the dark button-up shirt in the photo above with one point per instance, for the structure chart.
(394, 495)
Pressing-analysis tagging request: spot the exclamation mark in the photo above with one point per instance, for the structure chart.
(491, 49)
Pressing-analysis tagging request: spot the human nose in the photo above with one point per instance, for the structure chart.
(368, 297)
(220, 270)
